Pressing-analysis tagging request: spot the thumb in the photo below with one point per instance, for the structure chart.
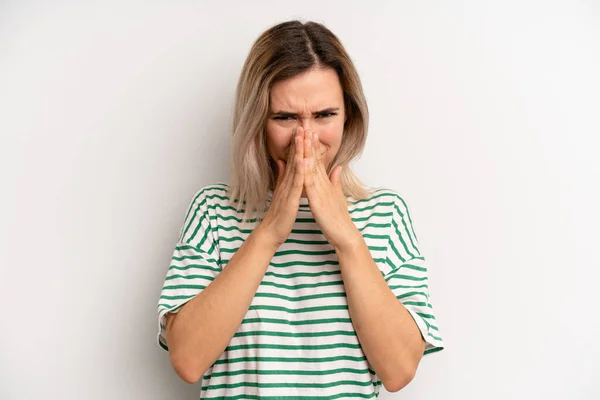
(335, 177)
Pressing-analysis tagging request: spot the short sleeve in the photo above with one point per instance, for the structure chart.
(407, 275)
(194, 265)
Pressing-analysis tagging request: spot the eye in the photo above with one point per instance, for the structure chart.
(327, 115)
(283, 118)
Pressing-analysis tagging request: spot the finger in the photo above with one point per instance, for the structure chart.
(281, 174)
(318, 158)
(290, 158)
(280, 171)
(292, 163)
(308, 148)
(317, 149)
(300, 143)
(298, 181)
(307, 179)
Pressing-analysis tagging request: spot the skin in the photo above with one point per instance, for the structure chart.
(304, 95)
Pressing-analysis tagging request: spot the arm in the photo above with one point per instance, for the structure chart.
(388, 334)
(202, 329)
(395, 348)
(199, 333)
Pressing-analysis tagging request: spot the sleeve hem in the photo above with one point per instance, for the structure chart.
(432, 342)
(161, 337)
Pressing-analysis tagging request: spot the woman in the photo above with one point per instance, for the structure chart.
(295, 280)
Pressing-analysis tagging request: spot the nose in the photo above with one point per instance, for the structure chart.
(305, 123)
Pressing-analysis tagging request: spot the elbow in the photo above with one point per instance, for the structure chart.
(188, 369)
(404, 372)
(185, 368)
(400, 381)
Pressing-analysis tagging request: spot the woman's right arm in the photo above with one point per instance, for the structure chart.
(199, 333)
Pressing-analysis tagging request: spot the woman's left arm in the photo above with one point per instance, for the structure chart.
(387, 332)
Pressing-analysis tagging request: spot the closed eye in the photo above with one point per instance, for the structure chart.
(287, 117)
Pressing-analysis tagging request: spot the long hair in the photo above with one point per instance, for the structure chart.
(281, 52)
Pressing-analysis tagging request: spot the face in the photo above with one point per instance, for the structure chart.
(313, 100)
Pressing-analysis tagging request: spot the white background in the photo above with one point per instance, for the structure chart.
(484, 116)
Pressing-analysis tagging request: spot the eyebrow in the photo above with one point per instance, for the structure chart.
(291, 114)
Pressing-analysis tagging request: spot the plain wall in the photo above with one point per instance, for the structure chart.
(484, 116)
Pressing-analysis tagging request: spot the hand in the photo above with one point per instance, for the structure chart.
(282, 213)
(326, 196)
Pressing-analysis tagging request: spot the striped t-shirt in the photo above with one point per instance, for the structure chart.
(297, 339)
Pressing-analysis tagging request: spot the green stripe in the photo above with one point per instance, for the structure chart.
(293, 346)
(299, 231)
(299, 372)
(298, 322)
(199, 257)
(415, 267)
(405, 230)
(292, 263)
(307, 274)
(342, 395)
(433, 350)
(199, 266)
(381, 193)
(175, 276)
(408, 215)
(299, 310)
(408, 294)
(300, 298)
(205, 230)
(284, 385)
(172, 287)
(378, 205)
(291, 359)
(407, 277)
(295, 334)
(302, 285)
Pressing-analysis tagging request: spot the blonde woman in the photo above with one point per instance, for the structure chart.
(294, 280)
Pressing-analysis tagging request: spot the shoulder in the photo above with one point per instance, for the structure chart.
(380, 198)
(202, 207)
(209, 195)
(204, 200)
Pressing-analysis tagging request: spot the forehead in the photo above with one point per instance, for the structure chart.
(314, 89)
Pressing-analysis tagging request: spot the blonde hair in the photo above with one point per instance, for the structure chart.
(281, 52)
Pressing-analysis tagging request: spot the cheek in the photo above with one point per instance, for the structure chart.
(278, 140)
(331, 139)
